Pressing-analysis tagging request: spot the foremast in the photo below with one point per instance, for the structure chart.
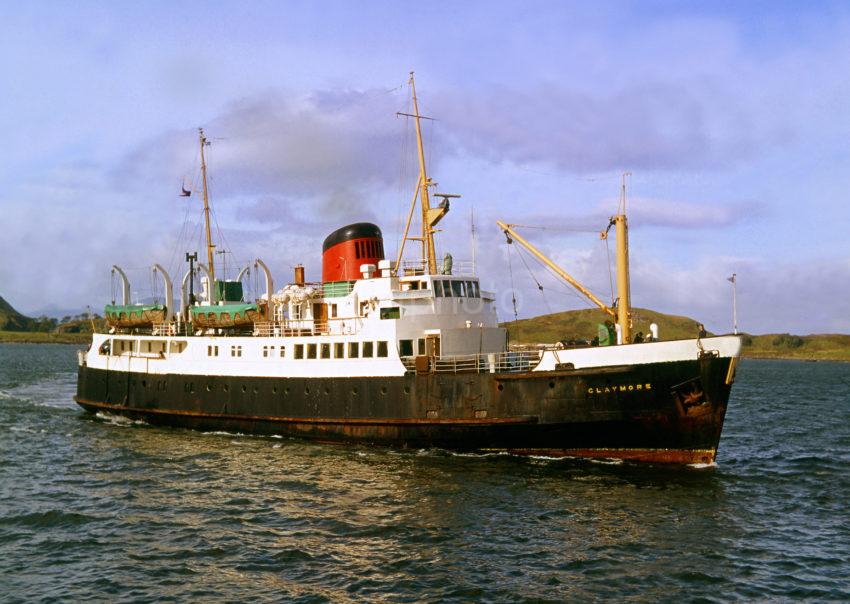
(621, 230)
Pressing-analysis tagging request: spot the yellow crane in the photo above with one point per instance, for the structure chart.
(622, 312)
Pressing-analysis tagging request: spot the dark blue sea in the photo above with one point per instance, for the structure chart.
(101, 509)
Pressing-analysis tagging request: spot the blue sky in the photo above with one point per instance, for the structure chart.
(734, 119)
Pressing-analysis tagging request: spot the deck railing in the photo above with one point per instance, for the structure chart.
(494, 362)
(460, 268)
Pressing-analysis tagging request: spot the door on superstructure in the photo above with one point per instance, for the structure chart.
(320, 316)
(432, 345)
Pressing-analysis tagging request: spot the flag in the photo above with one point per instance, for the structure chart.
(731, 279)
(184, 192)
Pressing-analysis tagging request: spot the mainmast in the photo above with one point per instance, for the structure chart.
(210, 245)
(427, 230)
(430, 216)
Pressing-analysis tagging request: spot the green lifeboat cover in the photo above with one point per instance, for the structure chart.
(132, 310)
(234, 310)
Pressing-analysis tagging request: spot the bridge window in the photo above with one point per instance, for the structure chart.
(339, 350)
(311, 351)
(353, 350)
(382, 349)
(326, 351)
(368, 349)
(299, 351)
(212, 351)
(282, 351)
(405, 348)
(236, 351)
(458, 289)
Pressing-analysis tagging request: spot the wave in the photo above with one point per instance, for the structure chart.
(56, 391)
(119, 420)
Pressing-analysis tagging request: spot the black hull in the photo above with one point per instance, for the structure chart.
(664, 412)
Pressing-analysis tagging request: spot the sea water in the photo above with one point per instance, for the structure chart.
(101, 508)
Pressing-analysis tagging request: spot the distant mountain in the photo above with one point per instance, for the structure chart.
(57, 312)
(582, 324)
(12, 320)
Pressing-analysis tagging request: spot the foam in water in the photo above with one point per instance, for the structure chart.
(701, 466)
(51, 391)
(119, 420)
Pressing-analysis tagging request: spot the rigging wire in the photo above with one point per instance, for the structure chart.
(511, 273)
(539, 286)
(610, 271)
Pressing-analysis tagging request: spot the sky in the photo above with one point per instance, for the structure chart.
(733, 119)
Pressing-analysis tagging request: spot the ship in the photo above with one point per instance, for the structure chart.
(404, 353)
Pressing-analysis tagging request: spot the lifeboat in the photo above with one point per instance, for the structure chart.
(134, 315)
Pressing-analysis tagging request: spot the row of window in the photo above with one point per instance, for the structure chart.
(235, 351)
(456, 289)
(318, 351)
(355, 350)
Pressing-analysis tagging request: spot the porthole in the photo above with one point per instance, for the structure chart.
(551, 384)
(244, 388)
(255, 390)
(383, 389)
(306, 389)
(144, 384)
(226, 388)
(209, 388)
(407, 389)
(286, 390)
(501, 387)
(354, 390)
(327, 390)
(274, 389)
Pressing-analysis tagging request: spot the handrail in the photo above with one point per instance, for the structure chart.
(493, 362)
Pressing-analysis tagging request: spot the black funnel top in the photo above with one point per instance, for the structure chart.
(358, 230)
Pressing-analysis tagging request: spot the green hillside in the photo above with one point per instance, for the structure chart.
(15, 327)
(581, 324)
(12, 320)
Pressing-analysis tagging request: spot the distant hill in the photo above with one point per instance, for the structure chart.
(582, 324)
(12, 320)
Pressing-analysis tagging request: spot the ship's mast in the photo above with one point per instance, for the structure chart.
(427, 228)
(623, 282)
(210, 246)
